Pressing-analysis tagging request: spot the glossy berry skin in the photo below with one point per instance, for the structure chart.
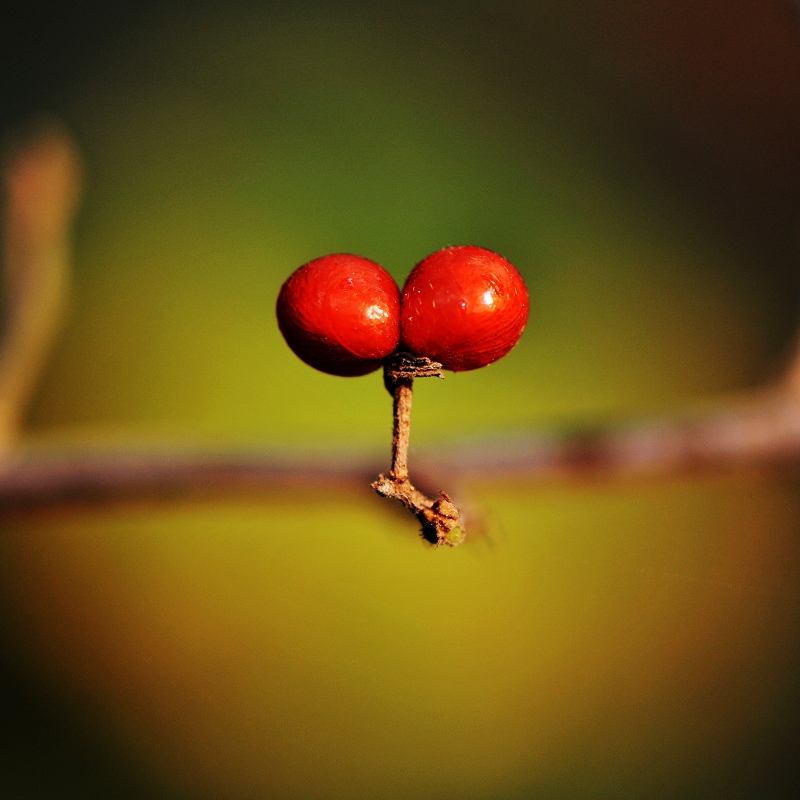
(340, 314)
(464, 307)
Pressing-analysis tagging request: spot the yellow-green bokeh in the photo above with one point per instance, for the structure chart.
(594, 642)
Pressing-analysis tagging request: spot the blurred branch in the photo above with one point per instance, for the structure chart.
(41, 177)
(759, 431)
(104, 476)
(755, 431)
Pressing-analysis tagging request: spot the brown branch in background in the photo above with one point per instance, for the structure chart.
(41, 182)
(754, 433)
(40, 479)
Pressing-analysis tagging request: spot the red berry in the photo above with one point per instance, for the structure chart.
(340, 314)
(464, 307)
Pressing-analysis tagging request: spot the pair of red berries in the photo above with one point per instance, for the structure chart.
(464, 307)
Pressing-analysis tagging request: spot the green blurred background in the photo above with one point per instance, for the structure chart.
(638, 164)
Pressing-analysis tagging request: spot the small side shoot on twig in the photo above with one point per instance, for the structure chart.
(41, 188)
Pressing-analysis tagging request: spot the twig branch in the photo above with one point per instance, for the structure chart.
(41, 178)
(440, 520)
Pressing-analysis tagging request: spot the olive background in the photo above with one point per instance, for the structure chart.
(639, 167)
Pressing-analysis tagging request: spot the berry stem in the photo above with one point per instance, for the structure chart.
(440, 519)
(403, 394)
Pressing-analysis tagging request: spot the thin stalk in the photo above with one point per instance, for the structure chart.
(403, 395)
(440, 519)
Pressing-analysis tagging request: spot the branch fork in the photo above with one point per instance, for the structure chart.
(440, 519)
